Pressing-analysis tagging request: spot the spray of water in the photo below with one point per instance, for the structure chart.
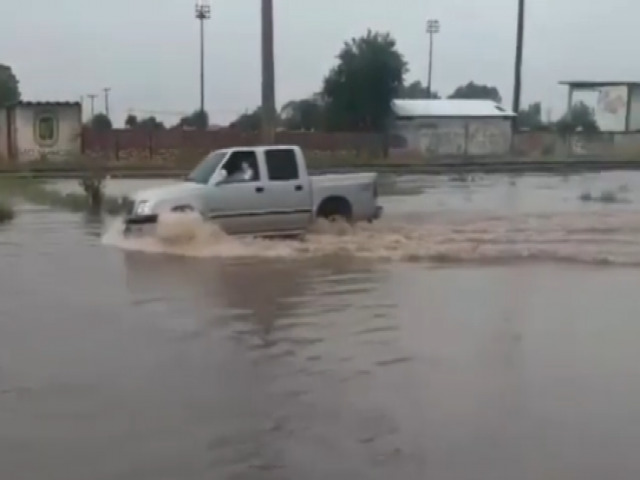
(583, 238)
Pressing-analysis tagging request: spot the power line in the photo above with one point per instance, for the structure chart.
(133, 111)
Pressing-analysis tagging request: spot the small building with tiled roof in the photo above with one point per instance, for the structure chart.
(40, 130)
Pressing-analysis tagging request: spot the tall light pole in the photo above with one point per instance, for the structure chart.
(268, 75)
(433, 27)
(92, 100)
(106, 91)
(203, 12)
(517, 77)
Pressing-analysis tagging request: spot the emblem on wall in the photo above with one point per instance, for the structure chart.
(45, 129)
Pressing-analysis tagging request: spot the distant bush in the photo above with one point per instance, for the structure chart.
(608, 196)
(6, 213)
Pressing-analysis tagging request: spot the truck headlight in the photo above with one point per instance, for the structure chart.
(143, 208)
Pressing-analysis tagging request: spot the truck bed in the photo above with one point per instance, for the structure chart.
(342, 179)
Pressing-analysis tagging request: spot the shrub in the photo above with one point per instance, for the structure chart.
(6, 213)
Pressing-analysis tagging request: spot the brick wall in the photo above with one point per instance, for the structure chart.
(537, 144)
(177, 145)
(185, 147)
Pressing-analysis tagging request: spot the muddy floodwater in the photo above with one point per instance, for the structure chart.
(487, 328)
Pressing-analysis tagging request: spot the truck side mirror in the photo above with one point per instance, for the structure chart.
(219, 177)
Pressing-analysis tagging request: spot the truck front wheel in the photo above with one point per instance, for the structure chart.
(183, 209)
(187, 209)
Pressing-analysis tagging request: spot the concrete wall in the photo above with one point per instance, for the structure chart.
(4, 136)
(577, 145)
(32, 133)
(454, 137)
(634, 106)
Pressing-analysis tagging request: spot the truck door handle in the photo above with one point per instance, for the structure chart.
(298, 188)
(259, 189)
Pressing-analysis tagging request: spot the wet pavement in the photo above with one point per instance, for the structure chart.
(486, 329)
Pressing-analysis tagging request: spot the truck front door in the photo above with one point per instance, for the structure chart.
(236, 202)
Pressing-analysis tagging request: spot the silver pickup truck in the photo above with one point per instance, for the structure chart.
(259, 191)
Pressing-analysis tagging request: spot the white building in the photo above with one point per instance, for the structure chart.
(451, 127)
(37, 130)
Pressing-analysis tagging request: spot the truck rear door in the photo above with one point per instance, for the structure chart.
(288, 197)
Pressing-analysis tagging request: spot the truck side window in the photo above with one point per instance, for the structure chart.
(282, 164)
(242, 166)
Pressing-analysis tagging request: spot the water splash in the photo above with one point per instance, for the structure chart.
(594, 238)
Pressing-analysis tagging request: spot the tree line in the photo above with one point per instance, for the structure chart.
(356, 95)
(197, 120)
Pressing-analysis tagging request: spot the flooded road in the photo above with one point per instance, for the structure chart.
(485, 329)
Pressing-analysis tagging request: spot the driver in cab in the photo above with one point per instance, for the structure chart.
(244, 174)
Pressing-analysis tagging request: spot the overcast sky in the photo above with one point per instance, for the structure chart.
(147, 50)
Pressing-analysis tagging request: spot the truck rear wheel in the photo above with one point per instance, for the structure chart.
(335, 209)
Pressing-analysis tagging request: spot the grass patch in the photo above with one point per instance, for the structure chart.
(6, 212)
(38, 192)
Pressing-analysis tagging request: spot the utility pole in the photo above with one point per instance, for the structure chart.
(106, 91)
(203, 12)
(92, 99)
(268, 75)
(433, 27)
(517, 77)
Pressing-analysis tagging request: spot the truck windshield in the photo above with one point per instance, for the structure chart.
(202, 173)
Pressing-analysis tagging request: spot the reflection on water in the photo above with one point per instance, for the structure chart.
(327, 358)
(255, 294)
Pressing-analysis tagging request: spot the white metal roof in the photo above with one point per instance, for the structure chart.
(449, 108)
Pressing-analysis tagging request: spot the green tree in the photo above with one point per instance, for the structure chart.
(580, 117)
(150, 123)
(306, 114)
(9, 86)
(415, 90)
(248, 121)
(198, 119)
(475, 91)
(100, 122)
(131, 121)
(531, 117)
(359, 90)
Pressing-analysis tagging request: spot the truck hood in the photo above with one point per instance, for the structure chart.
(167, 192)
